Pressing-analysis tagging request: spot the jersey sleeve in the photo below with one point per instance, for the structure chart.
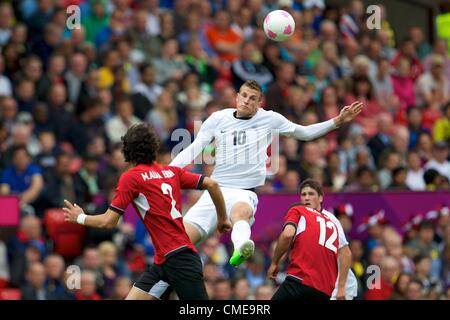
(292, 217)
(203, 138)
(125, 193)
(189, 180)
(280, 123)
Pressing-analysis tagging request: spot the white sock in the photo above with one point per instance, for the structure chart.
(241, 232)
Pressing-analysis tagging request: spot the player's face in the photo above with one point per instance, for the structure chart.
(247, 102)
(310, 198)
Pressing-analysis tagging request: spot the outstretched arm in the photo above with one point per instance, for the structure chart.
(203, 138)
(283, 243)
(347, 114)
(75, 214)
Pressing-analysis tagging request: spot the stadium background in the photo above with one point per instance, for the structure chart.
(68, 96)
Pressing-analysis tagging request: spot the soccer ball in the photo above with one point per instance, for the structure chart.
(279, 25)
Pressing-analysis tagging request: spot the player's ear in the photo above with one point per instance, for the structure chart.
(321, 199)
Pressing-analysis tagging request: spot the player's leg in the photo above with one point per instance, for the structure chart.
(195, 235)
(184, 272)
(293, 289)
(149, 286)
(241, 214)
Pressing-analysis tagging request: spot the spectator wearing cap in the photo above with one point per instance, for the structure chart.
(439, 161)
(433, 85)
(441, 128)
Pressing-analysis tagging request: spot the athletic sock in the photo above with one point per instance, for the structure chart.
(241, 232)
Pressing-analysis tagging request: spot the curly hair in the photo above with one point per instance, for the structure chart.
(140, 144)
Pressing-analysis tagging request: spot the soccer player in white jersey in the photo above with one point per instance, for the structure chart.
(346, 288)
(241, 137)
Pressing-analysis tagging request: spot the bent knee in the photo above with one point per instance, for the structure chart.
(241, 211)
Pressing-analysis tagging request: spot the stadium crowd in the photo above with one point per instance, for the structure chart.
(68, 95)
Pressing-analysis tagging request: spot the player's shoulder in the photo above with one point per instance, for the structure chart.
(227, 112)
(296, 206)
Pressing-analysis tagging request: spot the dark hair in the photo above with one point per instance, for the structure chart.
(140, 144)
(20, 147)
(313, 184)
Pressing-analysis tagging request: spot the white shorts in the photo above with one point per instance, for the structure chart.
(203, 214)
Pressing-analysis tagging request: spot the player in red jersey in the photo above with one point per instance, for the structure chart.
(313, 269)
(154, 192)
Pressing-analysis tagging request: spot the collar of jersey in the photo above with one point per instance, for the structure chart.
(241, 118)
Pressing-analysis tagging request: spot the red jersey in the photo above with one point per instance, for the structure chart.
(314, 251)
(155, 193)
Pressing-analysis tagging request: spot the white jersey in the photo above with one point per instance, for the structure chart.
(241, 144)
(351, 285)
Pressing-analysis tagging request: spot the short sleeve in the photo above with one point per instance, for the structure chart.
(189, 180)
(34, 169)
(279, 122)
(125, 193)
(292, 217)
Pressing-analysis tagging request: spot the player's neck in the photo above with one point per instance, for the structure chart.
(237, 115)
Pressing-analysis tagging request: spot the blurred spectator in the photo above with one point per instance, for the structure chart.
(414, 175)
(46, 158)
(241, 289)
(4, 266)
(389, 271)
(75, 75)
(401, 286)
(414, 290)
(245, 68)
(264, 292)
(35, 288)
(144, 41)
(95, 20)
(121, 288)
(403, 83)
(399, 175)
(222, 289)
(118, 125)
(170, 64)
(423, 244)
(23, 177)
(433, 86)
(5, 83)
(382, 139)
(55, 268)
(439, 161)
(147, 91)
(88, 287)
(441, 129)
(110, 266)
(224, 40)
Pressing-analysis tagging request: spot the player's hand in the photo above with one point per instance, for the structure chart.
(273, 271)
(340, 295)
(224, 226)
(348, 113)
(71, 211)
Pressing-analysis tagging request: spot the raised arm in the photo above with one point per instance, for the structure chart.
(75, 214)
(306, 133)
